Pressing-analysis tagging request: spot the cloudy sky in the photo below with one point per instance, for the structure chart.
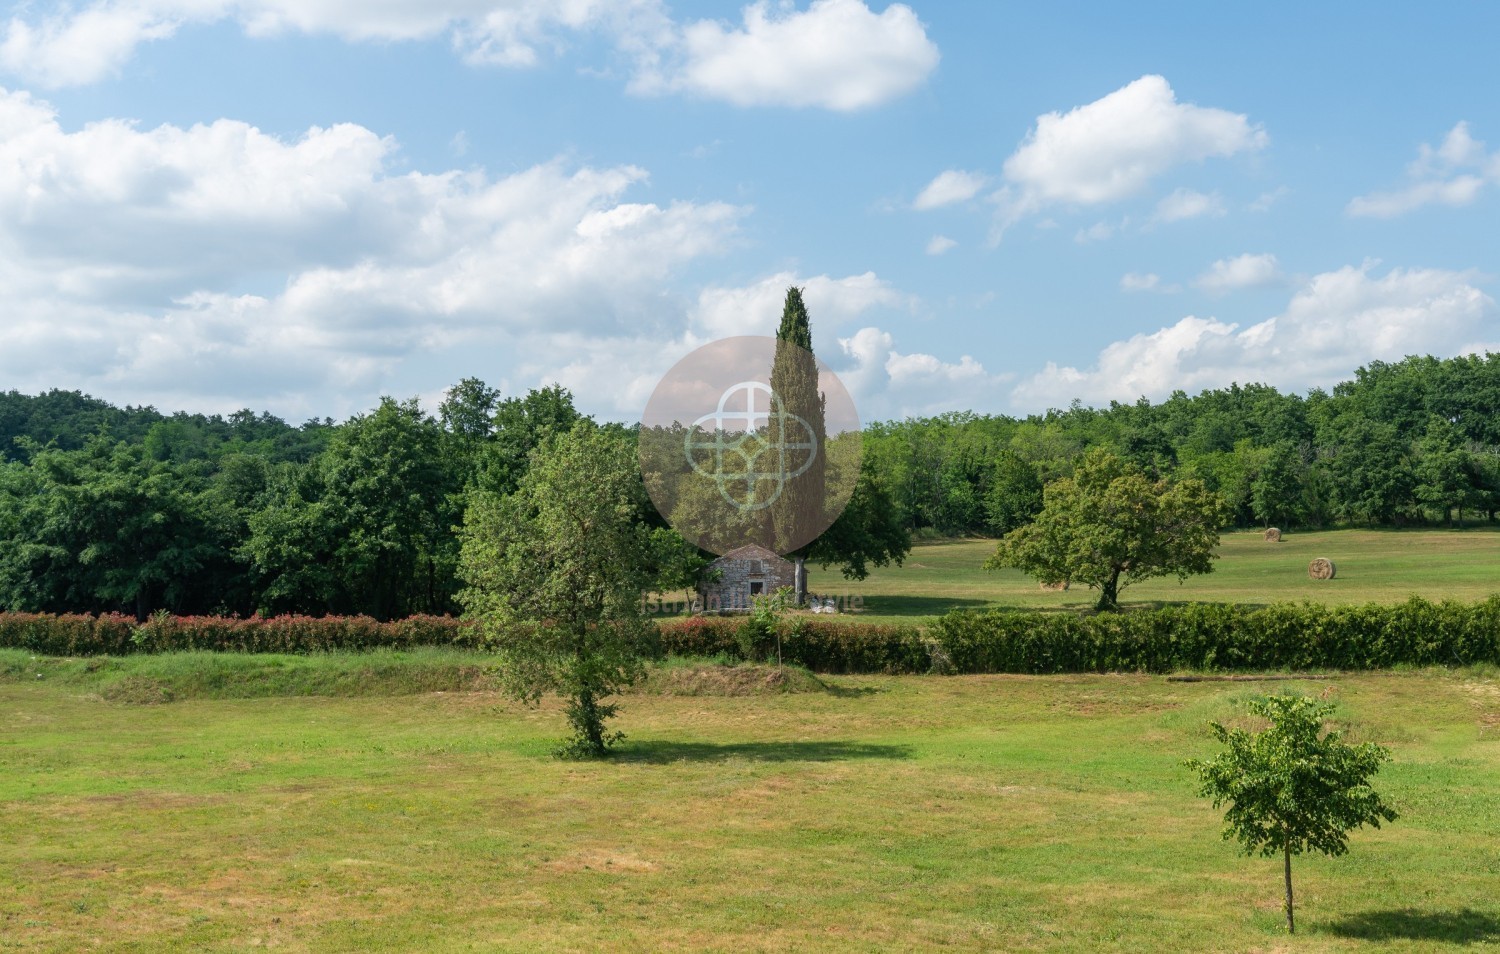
(299, 205)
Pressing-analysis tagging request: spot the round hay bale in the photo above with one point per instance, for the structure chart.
(1055, 587)
(1273, 535)
(1322, 569)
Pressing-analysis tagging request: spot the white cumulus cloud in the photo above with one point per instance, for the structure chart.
(1336, 322)
(622, 369)
(1100, 231)
(948, 187)
(78, 45)
(939, 244)
(1242, 271)
(73, 48)
(1188, 204)
(218, 266)
(890, 384)
(1114, 147)
(836, 54)
(756, 309)
(1452, 174)
(1138, 281)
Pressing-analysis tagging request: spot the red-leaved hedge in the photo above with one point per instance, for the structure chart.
(116, 635)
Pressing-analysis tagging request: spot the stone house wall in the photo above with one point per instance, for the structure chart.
(743, 575)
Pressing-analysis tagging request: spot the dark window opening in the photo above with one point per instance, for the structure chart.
(756, 589)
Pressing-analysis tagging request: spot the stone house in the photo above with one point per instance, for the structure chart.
(735, 578)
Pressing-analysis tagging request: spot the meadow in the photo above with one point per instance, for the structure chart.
(913, 813)
(1374, 566)
(393, 801)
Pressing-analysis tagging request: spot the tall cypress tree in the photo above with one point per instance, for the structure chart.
(802, 433)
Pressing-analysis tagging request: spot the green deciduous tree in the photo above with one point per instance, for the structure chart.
(366, 528)
(675, 564)
(521, 425)
(386, 488)
(555, 573)
(107, 528)
(467, 414)
(1292, 788)
(1276, 493)
(1444, 472)
(868, 532)
(1370, 471)
(1015, 495)
(1109, 525)
(291, 547)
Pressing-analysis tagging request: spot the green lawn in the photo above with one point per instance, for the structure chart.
(1383, 566)
(978, 813)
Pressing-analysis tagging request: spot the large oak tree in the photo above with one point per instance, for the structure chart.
(1110, 525)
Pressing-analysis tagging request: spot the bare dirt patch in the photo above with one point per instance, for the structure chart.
(602, 860)
(1485, 696)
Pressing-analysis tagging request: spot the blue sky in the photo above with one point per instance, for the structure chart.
(299, 205)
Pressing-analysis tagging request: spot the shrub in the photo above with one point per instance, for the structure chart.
(822, 645)
(116, 635)
(1296, 636)
(1289, 636)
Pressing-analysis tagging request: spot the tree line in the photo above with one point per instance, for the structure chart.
(1410, 442)
(128, 509)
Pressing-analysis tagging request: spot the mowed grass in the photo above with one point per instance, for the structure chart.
(1374, 566)
(977, 813)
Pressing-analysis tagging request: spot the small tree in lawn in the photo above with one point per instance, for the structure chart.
(556, 571)
(1292, 788)
(1110, 525)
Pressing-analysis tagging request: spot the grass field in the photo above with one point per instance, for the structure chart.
(883, 813)
(1383, 566)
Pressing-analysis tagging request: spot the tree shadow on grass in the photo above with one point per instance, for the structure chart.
(662, 752)
(1146, 605)
(1465, 926)
(850, 692)
(919, 605)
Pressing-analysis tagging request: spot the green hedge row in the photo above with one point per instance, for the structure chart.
(1198, 636)
(1287, 636)
(822, 645)
(1219, 637)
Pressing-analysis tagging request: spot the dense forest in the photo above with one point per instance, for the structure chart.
(106, 508)
(1405, 443)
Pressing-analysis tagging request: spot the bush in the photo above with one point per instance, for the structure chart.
(822, 645)
(116, 635)
(1221, 637)
(73, 634)
(1198, 636)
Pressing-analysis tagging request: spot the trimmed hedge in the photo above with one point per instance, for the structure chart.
(822, 645)
(116, 635)
(1197, 636)
(825, 645)
(1218, 637)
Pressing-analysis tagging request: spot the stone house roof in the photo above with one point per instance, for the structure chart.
(753, 551)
